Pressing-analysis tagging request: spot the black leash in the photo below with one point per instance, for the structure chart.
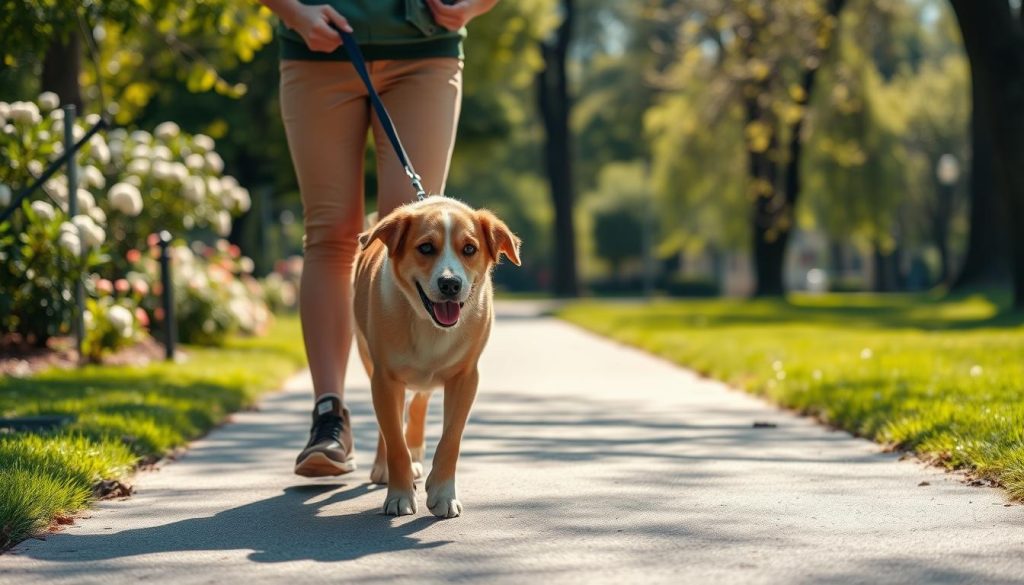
(356, 56)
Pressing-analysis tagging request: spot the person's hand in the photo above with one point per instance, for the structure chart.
(313, 23)
(455, 15)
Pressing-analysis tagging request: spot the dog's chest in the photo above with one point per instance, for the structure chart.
(423, 364)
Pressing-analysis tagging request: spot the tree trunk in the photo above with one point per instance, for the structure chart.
(554, 103)
(61, 68)
(986, 261)
(997, 35)
(774, 216)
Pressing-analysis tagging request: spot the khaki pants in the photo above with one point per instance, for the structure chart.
(326, 115)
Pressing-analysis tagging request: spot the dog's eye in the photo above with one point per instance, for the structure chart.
(426, 249)
(469, 249)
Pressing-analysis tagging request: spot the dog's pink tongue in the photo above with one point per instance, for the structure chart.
(447, 313)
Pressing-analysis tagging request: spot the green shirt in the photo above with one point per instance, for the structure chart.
(385, 29)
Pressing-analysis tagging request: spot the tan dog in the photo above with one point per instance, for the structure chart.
(423, 311)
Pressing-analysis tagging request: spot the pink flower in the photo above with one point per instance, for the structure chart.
(122, 286)
(104, 286)
(141, 317)
(234, 250)
(158, 313)
(141, 288)
(152, 240)
(133, 256)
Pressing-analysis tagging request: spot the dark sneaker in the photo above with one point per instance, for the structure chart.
(329, 450)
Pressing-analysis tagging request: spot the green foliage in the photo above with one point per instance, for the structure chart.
(123, 415)
(620, 212)
(941, 378)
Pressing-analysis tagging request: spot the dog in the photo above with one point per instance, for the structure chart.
(423, 304)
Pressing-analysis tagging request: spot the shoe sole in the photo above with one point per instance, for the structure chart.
(320, 465)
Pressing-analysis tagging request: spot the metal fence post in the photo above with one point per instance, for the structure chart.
(72, 176)
(170, 324)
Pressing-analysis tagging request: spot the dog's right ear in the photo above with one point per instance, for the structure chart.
(391, 230)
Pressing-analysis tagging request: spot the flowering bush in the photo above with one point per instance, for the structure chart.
(38, 266)
(130, 185)
(215, 293)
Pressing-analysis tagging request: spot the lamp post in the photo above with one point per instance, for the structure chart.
(947, 171)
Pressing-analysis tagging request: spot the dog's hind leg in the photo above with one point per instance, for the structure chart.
(459, 394)
(414, 430)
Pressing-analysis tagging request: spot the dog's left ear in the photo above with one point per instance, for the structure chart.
(391, 230)
(500, 240)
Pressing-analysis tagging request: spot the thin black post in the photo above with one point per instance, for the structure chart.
(170, 325)
(72, 175)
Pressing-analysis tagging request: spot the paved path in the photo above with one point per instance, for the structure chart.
(584, 462)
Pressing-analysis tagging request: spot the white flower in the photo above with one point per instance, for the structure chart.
(119, 134)
(240, 199)
(48, 101)
(35, 167)
(85, 200)
(92, 234)
(99, 149)
(139, 166)
(222, 224)
(242, 313)
(179, 171)
(195, 162)
(43, 136)
(26, 112)
(57, 188)
(228, 182)
(141, 137)
(188, 221)
(77, 133)
(97, 215)
(161, 152)
(976, 371)
(141, 151)
(70, 242)
(166, 131)
(43, 211)
(5, 195)
(133, 180)
(214, 186)
(246, 264)
(162, 170)
(214, 162)
(57, 115)
(121, 319)
(58, 128)
(92, 119)
(93, 177)
(866, 353)
(5, 110)
(203, 142)
(194, 189)
(126, 198)
(116, 148)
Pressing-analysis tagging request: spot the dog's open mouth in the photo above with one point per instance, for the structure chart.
(445, 313)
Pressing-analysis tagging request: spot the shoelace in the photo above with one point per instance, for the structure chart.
(327, 427)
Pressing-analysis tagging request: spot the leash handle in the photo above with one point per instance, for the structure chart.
(356, 56)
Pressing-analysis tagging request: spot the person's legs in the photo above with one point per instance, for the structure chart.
(424, 98)
(325, 113)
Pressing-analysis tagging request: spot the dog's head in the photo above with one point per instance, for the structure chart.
(442, 250)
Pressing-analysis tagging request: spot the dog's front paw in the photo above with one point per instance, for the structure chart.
(443, 501)
(400, 502)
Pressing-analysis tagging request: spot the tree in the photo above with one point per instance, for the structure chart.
(993, 34)
(555, 106)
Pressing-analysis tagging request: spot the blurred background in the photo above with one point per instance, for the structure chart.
(656, 147)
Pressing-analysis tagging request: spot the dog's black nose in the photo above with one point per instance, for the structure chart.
(449, 285)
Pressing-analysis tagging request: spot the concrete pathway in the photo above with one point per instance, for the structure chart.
(584, 462)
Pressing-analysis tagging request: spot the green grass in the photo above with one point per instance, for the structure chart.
(122, 416)
(944, 378)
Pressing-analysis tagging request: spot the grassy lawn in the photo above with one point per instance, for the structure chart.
(122, 416)
(944, 378)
